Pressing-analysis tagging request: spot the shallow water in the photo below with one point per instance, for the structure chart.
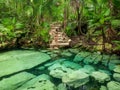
(69, 69)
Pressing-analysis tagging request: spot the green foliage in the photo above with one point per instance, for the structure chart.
(117, 43)
(70, 29)
(34, 17)
(115, 23)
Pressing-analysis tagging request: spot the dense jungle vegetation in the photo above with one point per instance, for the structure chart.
(91, 24)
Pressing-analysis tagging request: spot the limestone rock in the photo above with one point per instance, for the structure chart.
(14, 61)
(105, 59)
(66, 54)
(113, 85)
(87, 69)
(80, 56)
(58, 71)
(88, 60)
(116, 76)
(100, 76)
(75, 78)
(113, 63)
(97, 59)
(56, 51)
(71, 65)
(15, 81)
(44, 51)
(44, 85)
(54, 62)
(111, 66)
(91, 58)
(75, 51)
(54, 55)
(114, 58)
(117, 69)
(61, 87)
(103, 88)
(41, 68)
(105, 71)
(42, 82)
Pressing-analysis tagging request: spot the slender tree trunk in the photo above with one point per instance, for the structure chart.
(65, 14)
(103, 37)
(79, 16)
(110, 6)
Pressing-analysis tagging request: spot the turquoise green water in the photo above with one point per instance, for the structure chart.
(69, 69)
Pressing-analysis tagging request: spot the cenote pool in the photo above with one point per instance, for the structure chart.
(69, 69)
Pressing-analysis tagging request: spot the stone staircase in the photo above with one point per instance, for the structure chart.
(58, 37)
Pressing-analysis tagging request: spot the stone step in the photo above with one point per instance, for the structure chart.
(59, 44)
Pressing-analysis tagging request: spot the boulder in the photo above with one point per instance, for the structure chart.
(58, 71)
(97, 59)
(117, 69)
(54, 62)
(56, 51)
(66, 54)
(87, 69)
(113, 85)
(103, 88)
(114, 57)
(11, 83)
(75, 51)
(41, 68)
(44, 51)
(116, 76)
(61, 86)
(100, 76)
(54, 55)
(42, 85)
(71, 65)
(111, 66)
(105, 71)
(116, 62)
(75, 78)
(42, 82)
(91, 58)
(105, 59)
(80, 56)
(15, 61)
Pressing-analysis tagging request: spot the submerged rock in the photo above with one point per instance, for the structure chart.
(91, 58)
(114, 58)
(75, 78)
(80, 56)
(117, 69)
(97, 59)
(88, 60)
(113, 85)
(15, 81)
(87, 69)
(54, 62)
(61, 87)
(14, 61)
(103, 88)
(66, 54)
(75, 51)
(58, 71)
(41, 82)
(71, 65)
(105, 59)
(116, 76)
(111, 66)
(100, 76)
(105, 71)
